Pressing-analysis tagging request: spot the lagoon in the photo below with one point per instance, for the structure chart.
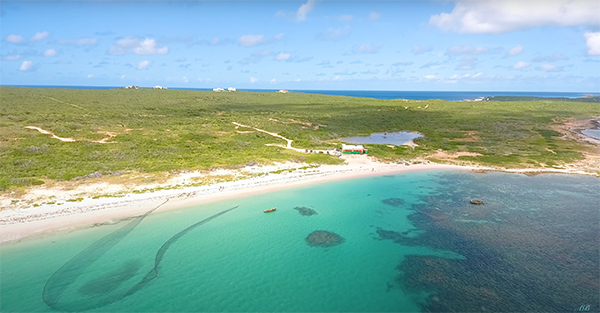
(594, 133)
(397, 138)
(412, 242)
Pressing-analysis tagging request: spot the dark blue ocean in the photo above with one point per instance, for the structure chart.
(389, 94)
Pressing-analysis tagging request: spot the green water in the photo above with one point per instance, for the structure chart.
(412, 243)
(243, 260)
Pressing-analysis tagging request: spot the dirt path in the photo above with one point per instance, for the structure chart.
(63, 139)
(63, 102)
(289, 141)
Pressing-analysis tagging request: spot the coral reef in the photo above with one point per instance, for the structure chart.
(322, 238)
(305, 211)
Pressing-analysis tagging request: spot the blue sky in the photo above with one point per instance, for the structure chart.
(500, 45)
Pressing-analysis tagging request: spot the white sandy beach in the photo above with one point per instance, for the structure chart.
(19, 223)
(25, 221)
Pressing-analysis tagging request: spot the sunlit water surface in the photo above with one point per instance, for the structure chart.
(411, 242)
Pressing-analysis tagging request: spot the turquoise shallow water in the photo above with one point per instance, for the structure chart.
(246, 261)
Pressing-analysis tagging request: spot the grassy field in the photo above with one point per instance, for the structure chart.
(167, 130)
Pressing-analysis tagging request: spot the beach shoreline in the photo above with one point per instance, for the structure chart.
(39, 220)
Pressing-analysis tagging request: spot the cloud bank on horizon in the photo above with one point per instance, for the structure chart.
(551, 45)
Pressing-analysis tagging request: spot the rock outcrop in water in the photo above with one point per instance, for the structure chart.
(305, 211)
(476, 201)
(322, 238)
(395, 202)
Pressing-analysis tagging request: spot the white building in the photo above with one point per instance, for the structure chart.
(218, 89)
(231, 89)
(158, 87)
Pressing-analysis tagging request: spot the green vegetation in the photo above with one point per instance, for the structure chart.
(170, 130)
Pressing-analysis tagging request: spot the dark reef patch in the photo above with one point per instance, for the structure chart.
(534, 248)
(322, 238)
(305, 211)
(395, 202)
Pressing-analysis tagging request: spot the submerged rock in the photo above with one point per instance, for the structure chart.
(322, 238)
(305, 211)
(395, 202)
(476, 201)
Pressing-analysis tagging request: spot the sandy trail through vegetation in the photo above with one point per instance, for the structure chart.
(64, 139)
(63, 102)
(289, 141)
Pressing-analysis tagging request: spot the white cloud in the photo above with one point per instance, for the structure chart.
(431, 65)
(90, 76)
(592, 41)
(261, 54)
(253, 79)
(550, 58)
(143, 65)
(273, 81)
(255, 57)
(502, 16)
(12, 57)
(283, 56)
(86, 41)
(136, 45)
(251, 40)
(420, 50)
(346, 72)
(14, 38)
(216, 41)
(279, 36)
(371, 71)
(467, 63)
(374, 16)
(40, 36)
(335, 33)
(458, 50)
(520, 65)
(50, 53)
(550, 68)
(516, 50)
(184, 79)
(366, 48)
(346, 18)
(26, 66)
(122, 77)
(304, 10)
(148, 46)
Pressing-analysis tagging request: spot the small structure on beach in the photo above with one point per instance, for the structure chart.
(354, 149)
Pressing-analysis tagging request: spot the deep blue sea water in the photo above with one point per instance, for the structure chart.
(388, 95)
(411, 242)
